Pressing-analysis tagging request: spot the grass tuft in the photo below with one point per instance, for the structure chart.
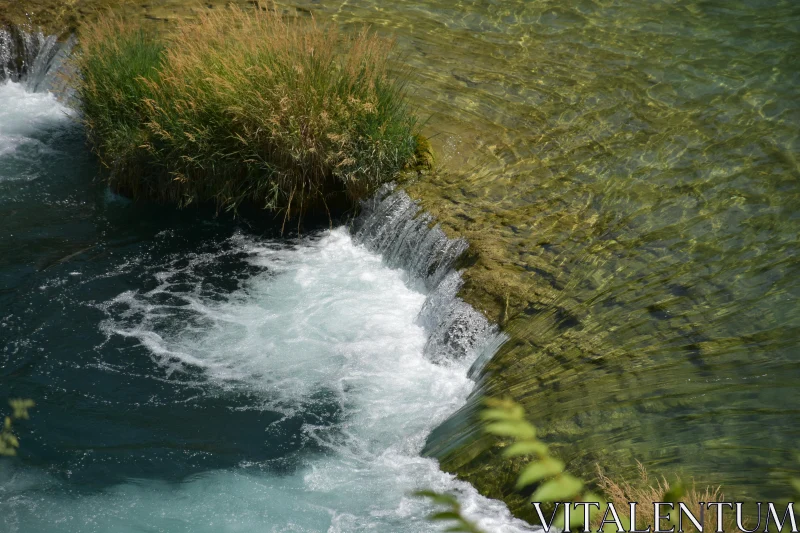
(646, 493)
(244, 106)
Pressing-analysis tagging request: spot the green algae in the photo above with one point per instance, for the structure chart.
(424, 158)
(631, 208)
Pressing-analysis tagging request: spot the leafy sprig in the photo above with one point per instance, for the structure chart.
(506, 418)
(19, 411)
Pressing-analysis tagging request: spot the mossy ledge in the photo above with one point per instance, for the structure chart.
(244, 106)
(459, 444)
(541, 357)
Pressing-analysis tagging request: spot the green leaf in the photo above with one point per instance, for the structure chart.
(563, 488)
(528, 447)
(503, 410)
(796, 484)
(674, 494)
(443, 499)
(518, 428)
(593, 498)
(498, 414)
(538, 470)
(20, 407)
(505, 405)
(445, 515)
(558, 521)
(576, 518)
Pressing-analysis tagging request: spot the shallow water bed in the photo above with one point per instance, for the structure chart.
(627, 176)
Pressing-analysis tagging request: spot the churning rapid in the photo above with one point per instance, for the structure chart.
(199, 374)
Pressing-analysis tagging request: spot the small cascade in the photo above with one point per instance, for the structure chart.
(34, 59)
(394, 225)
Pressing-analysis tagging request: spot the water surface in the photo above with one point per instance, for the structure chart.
(629, 175)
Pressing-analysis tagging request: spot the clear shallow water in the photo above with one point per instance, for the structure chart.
(195, 374)
(629, 173)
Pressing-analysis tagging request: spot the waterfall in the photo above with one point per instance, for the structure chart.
(379, 387)
(265, 382)
(35, 59)
(390, 224)
(395, 226)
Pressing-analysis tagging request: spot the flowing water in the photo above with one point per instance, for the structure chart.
(628, 172)
(194, 373)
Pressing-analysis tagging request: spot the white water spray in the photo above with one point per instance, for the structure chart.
(326, 316)
(25, 115)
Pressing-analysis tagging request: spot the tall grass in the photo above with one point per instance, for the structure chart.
(115, 61)
(646, 493)
(244, 106)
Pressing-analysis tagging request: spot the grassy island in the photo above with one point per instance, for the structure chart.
(243, 106)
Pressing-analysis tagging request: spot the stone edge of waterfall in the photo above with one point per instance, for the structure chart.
(394, 226)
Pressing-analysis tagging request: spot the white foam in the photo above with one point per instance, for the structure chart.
(23, 114)
(326, 315)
